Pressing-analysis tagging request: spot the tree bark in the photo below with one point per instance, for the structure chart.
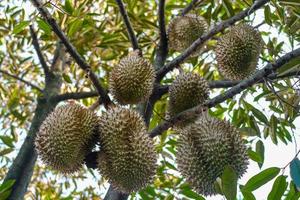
(22, 168)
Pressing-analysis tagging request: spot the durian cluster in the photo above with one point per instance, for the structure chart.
(127, 156)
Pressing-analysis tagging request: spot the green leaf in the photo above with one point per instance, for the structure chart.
(295, 171)
(254, 156)
(74, 27)
(20, 27)
(68, 7)
(6, 185)
(44, 26)
(247, 195)
(293, 194)
(229, 183)
(67, 78)
(7, 140)
(268, 15)
(273, 129)
(290, 2)
(228, 7)
(6, 151)
(278, 188)
(260, 116)
(257, 113)
(191, 194)
(4, 195)
(218, 185)
(261, 178)
(260, 149)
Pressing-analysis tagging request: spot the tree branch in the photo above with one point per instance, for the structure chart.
(21, 79)
(162, 50)
(39, 52)
(189, 7)
(128, 25)
(258, 76)
(225, 24)
(74, 95)
(73, 52)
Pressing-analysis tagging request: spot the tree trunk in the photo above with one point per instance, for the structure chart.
(23, 165)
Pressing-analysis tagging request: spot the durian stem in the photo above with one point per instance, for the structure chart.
(257, 77)
(217, 29)
(128, 25)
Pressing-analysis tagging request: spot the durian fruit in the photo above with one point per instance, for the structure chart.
(187, 90)
(205, 148)
(184, 30)
(66, 136)
(237, 52)
(132, 80)
(128, 158)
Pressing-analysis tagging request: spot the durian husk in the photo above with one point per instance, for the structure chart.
(66, 136)
(187, 91)
(184, 30)
(205, 148)
(128, 158)
(238, 51)
(132, 80)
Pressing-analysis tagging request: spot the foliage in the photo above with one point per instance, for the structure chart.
(265, 111)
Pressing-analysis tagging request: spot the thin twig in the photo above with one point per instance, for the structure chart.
(72, 51)
(189, 7)
(225, 24)
(258, 76)
(283, 168)
(38, 51)
(128, 25)
(270, 85)
(21, 79)
(162, 50)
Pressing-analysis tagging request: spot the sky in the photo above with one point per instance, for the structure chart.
(275, 155)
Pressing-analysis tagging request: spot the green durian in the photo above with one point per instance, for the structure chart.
(187, 91)
(205, 148)
(238, 51)
(184, 30)
(132, 80)
(128, 158)
(66, 136)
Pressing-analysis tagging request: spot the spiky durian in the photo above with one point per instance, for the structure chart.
(184, 30)
(187, 90)
(66, 136)
(131, 81)
(205, 148)
(128, 158)
(237, 52)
